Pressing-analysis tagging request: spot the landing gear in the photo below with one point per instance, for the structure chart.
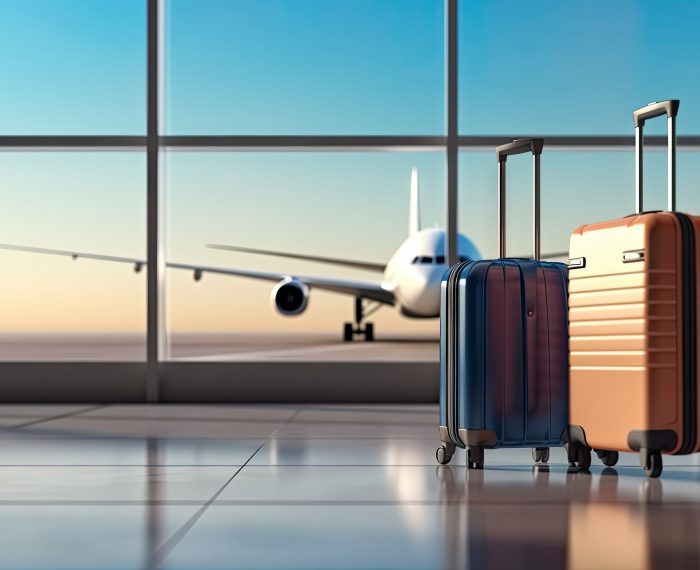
(347, 332)
(350, 330)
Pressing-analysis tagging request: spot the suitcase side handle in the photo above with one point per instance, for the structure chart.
(519, 146)
(655, 109)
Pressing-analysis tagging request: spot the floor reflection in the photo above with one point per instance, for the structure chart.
(563, 519)
(74, 495)
(153, 496)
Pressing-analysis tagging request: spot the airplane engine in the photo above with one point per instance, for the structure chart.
(290, 297)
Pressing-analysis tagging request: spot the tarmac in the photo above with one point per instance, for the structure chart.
(235, 347)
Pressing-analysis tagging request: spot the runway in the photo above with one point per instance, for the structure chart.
(229, 347)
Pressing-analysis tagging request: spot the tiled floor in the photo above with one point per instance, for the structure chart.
(198, 487)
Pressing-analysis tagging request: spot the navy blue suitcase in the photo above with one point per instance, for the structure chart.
(504, 379)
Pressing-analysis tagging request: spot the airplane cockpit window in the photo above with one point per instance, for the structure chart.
(428, 260)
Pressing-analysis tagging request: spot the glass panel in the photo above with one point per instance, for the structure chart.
(55, 307)
(73, 67)
(575, 67)
(305, 67)
(578, 187)
(350, 206)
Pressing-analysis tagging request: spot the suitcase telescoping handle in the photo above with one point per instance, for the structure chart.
(669, 108)
(519, 146)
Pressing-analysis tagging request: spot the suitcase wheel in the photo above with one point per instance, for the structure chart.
(443, 455)
(651, 462)
(475, 457)
(579, 456)
(609, 458)
(540, 454)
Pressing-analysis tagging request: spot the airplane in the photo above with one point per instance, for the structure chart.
(410, 279)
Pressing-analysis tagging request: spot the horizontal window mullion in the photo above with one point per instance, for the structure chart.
(340, 142)
(304, 142)
(574, 142)
(37, 142)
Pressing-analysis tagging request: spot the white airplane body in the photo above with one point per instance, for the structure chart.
(415, 271)
(411, 278)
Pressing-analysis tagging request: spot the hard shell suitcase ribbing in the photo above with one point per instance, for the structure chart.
(503, 345)
(633, 314)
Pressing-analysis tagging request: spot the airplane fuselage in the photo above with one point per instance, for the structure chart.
(415, 271)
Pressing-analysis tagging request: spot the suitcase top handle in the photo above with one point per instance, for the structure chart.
(519, 146)
(655, 109)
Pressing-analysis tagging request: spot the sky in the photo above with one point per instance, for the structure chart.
(312, 67)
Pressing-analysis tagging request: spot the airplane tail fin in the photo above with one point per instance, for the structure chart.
(414, 214)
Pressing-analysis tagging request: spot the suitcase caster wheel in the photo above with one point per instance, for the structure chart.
(609, 458)
(475, 458)
(442, 455)
(579, 456)
(652, 463)
(540, 454)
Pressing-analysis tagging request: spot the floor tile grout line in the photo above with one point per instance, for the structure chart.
(179, 534)
(695, 506)
(450, 502)
(28, 436)
(60, 416)
(119, 465)
(102, 418)
(559, 468)
(284, 425)
(431, 567)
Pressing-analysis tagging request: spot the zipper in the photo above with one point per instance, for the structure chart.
(688, 274)
(452, 352)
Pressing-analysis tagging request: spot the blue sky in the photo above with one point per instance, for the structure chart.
(355, 67)
(72, 67)
(309, 67)
(572, 67)
(317, 67)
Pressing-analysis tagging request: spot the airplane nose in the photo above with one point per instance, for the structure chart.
(420, 292)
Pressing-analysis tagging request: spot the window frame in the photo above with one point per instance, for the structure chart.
(160, 380)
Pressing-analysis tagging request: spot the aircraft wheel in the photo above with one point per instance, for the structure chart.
(347, 332)
(369, 332)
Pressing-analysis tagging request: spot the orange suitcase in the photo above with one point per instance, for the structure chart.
(633, 307)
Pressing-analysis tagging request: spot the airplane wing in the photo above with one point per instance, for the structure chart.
(370, 290)
(366, 265)
(137, 263)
